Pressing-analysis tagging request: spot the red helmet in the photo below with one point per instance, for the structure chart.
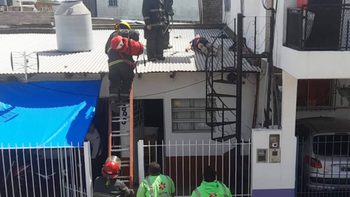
(111, 167)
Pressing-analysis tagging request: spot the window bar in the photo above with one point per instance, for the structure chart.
(38, 161)
(340, 163)
(190, 167)
(31, 165)
(25, 168)
(347, 161)
(18, 172)
(332, 161)
(318, 148)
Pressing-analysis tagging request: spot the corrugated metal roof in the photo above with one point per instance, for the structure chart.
(52, 61)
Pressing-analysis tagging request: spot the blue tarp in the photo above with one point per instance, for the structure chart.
(56, 113)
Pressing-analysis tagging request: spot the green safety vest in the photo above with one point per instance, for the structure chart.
(200, 191)
(159, 186)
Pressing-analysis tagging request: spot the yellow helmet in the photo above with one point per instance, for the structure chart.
(122, 25)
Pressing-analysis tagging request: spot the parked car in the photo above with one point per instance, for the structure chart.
(324, 148)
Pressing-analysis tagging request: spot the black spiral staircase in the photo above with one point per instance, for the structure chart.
(222, 127)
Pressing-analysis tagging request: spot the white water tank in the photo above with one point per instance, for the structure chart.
(73, 27)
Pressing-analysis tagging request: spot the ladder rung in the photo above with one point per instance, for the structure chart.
(120, 135)
(119, 117)
(124, 177)
(120, 150)
(125, 165)
(120, 146)
(125, 131)
(123, 105)
(126, 120)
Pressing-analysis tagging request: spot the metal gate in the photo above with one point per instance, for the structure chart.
(46, 171)
(184, 162)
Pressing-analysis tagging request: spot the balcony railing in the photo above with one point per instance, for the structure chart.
(319, 27)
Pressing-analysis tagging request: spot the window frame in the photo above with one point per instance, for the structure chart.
(112, 3)
(308, 106)
(191, 120)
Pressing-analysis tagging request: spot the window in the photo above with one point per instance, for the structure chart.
(314, 93)
(113, 3)
(188, 115)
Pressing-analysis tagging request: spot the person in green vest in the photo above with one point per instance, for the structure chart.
(156, 184)
(210, 187)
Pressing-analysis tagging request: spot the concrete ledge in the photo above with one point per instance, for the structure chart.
(274, 193)
(315, 64)
(17, 29)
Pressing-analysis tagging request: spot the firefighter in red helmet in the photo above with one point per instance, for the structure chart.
(121, 64)
(108, 185)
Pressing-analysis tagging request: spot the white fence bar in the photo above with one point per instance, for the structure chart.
(141, 158)
(185, 161)
(40, 171)
(88, 170)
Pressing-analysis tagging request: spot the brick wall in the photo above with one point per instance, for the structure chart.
(212, 11)
(16, 18)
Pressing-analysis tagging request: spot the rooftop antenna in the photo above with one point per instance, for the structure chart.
(25, 62)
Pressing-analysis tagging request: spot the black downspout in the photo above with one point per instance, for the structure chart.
(270, 70)
(239, 78)
(239, 101)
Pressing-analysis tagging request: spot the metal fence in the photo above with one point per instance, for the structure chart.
(323, 166)
(45, 171)
(319, 27)
(184, 162)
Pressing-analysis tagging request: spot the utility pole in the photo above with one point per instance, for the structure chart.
(270, 70)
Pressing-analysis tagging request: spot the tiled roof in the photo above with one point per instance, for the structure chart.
(52, 61)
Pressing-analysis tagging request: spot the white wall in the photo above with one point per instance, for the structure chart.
(161, 86)
(278, 175)
(132, 10)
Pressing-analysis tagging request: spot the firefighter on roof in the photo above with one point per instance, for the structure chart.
(211, 187)
(121, 46)
(153, 12)
(156, 184)
(108, 185)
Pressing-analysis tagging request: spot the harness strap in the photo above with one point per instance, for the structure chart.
(150, 186)
(197, 192)
(223, 188)
(115, 62)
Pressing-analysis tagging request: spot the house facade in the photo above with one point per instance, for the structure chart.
(310, 58)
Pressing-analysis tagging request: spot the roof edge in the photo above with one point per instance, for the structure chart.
(51, 30)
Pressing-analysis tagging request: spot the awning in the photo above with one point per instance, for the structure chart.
(51, 113)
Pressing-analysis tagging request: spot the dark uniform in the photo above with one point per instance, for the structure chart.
(121, 68)
(104, 187)
(169, 12)
(154, 15)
